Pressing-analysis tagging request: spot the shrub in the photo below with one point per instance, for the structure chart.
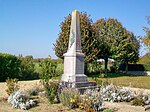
(48, 70)
(138, 102)
(21, 100)
(70, 97)
(12, 86)
(93, 67)
(60, 66)
(34, 92)
(51, 89)
(113, 69)
(146, 99)
(36, 89)
(20, 67)
(28, 68)
(102, 75)
(10, 66)
(59, 69)
(100, 82)
(92, 100)
(115, 94)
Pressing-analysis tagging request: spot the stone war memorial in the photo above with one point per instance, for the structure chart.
(74, 58)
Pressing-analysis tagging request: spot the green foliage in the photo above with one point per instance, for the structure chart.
(114, 68)
(128, 49)
(12, 86)
(59, 69)
(92, 100)
(146, 38)
(10, 66)
(28, 68)
(107, 30)
(48, 69)
(93, 67)
(145, 59)
(88, 41)
(102, 75)
(147, 67)
(70, 97)
(138, 102)
(100, 82)
(115, 42)
(86, 105)
(51, 91)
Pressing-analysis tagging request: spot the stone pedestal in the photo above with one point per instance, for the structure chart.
(74, 69)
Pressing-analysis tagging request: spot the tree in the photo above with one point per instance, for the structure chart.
(107, 30)
(88, 41)
(128, 49)
(115, 41)
(146, 38)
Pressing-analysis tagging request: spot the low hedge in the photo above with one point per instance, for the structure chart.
(135, 67)
(10, 66)
(21, 68)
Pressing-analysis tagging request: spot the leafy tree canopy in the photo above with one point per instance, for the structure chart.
(146, 39)
(115, 41)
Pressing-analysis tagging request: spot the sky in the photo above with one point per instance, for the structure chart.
(30, 27)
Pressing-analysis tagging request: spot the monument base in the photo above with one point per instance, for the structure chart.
(78, 85)
(74, 78)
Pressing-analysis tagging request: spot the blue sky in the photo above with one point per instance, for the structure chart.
(30, 27)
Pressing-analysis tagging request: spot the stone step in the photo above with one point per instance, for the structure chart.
(84, 84)
(78, 84)
(83, 89)
(81, 86)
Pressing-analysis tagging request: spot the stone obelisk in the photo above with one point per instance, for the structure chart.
(74, 58)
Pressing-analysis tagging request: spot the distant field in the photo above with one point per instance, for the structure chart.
(133, 81)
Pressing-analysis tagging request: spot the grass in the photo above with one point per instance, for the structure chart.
(133, 81)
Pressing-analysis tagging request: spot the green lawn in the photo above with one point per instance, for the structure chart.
(133, 81)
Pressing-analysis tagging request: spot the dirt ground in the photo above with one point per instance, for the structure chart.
(24, 85)
(125, 107)
(44, 107)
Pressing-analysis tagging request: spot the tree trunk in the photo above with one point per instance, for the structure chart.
(106, 62)
(126, 69)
